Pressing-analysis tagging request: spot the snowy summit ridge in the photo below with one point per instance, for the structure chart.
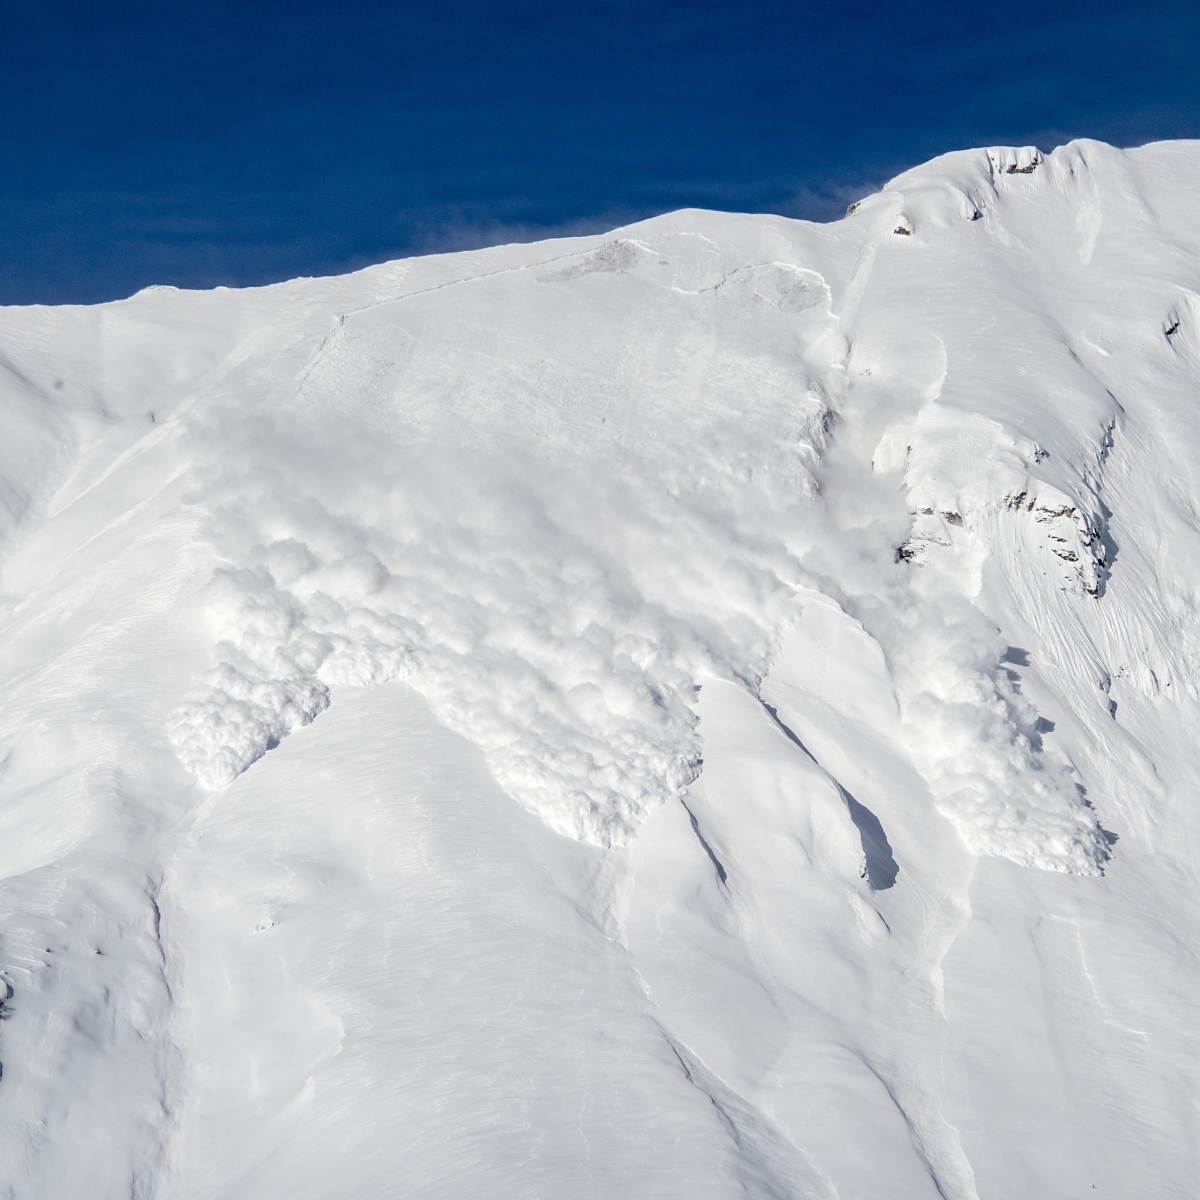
(798, 575)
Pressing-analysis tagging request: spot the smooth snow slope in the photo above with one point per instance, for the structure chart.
(704, 711)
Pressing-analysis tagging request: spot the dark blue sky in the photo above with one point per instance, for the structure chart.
(245, 143)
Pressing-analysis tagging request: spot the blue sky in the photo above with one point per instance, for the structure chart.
(245, 143)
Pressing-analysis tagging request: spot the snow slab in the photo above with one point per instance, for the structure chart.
(704, 710)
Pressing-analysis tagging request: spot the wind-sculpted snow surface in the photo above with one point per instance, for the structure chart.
(702, 711)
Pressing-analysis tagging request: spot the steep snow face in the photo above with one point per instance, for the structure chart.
(752, 664)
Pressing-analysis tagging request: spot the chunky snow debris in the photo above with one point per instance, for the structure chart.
(974, 737)
(573, 688)
(235, 720)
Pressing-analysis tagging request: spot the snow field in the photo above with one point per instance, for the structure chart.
(822, 596)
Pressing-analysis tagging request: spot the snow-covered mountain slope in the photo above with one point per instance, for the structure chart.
(703, 711)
